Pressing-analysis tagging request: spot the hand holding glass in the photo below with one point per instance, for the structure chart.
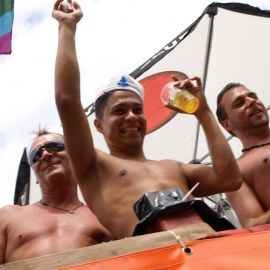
(179, 98)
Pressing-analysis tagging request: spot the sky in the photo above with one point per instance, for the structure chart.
(114, 36)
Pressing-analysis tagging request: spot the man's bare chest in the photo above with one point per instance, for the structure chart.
(136, 178)
(45, 225)
(256, 171)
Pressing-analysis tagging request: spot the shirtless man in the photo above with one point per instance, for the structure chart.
(59, 221)
(112, 183)
(242, 114)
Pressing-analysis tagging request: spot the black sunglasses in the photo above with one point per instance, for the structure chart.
(51, 147)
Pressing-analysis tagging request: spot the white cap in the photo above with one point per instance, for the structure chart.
(123, 82)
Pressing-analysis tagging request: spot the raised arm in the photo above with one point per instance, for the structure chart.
(224, 174)
(77, 134)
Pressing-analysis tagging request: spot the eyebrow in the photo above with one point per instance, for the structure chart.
(250, 94)
(125, 103)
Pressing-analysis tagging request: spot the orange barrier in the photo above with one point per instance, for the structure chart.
(247, 251)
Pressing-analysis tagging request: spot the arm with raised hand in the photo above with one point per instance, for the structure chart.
(224, 174)
(77, 134)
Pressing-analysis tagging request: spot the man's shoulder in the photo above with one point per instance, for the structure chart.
(167, 164)
(101, 153)
(253, 165)
(103, 158)
(11, 208)
(8, 212)
(250, 159)
(168, 161)
(14, 213)
(14, 209)
(8, 208)
(247, 158)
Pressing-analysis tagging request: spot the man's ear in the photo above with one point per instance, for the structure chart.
(98, 125)
(227, 125)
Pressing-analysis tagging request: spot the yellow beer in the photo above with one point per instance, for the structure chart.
(179, 98)
(185, 101)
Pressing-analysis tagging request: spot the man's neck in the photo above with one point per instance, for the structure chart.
(258, 136)
(132, 153)
(61, 197)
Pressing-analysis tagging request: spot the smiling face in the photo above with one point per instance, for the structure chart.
(123, 123)
(50, 166)
(244, 110)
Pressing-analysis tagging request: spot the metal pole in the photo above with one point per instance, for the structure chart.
(205, 72)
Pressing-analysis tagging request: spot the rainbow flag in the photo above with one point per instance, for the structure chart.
(6, 22)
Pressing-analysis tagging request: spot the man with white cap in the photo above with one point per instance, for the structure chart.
(112, 183)
(59, 221)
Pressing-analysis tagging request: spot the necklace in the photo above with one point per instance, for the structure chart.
(72, 211)
(255, 146)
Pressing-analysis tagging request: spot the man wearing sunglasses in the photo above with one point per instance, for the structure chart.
(59, 221)
(112, 183)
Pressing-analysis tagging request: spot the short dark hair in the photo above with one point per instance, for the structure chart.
(220, 112)
(100, 104)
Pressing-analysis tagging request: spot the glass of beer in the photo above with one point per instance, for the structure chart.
(179, 98)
